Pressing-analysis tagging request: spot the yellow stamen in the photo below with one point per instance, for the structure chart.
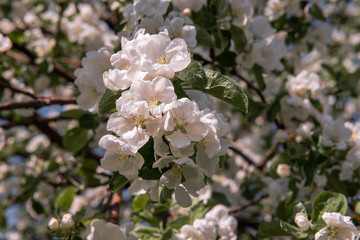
(122, 156)
(333, 231)
(176, 171)
(161, 59)
(126, 67)
(200, 144)
(138, 119)
(181, 122)
(153, 101)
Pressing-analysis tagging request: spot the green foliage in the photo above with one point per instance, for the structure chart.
(147, 171)
(75, 139)
(108, 101)
(117, 181)
(328, 202)
(64, 198)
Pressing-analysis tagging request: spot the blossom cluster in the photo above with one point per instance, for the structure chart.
(188, 140)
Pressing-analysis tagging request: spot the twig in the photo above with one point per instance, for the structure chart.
(6, 84)
(268, 155)
(249, 84)
(31, 120)
(38, 103)
(249, 204)
(244, 156)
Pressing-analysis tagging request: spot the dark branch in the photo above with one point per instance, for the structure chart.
(38, 103)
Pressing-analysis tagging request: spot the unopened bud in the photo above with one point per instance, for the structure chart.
(53, 224)
(67, 221)
(186, 12)
(283, 170)
(302, 221)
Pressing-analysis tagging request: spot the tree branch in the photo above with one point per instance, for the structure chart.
(249, 204)
(38, 103)
(115, 208)
(6, 84)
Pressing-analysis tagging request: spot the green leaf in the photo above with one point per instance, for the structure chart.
(197, 211)
(226, 59)
(193, 74)
(74, 113)
(119, 28)
(139, 202)
(316, 12)
(168, 234)
(328, 202)
(178, 221)
(147, 172)
(239, 38)
(220, 198)
(148, 233)
(271, 229)
(179, 91)
(38, 208)
(203, 18)
(204, 38)
(280, 158)
(117, 181)
(75, 139)
(88, 121)
(165, 194)
(224, 88)
(295, 231)
(64, 198)
(257, 70)
(108, 101)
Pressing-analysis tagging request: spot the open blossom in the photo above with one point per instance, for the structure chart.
(105, 230)
(5, 43)
(268, 53)
(335, 134)
(338, 227)
(261, 27)
(89, 78)
(182, 123)
(119, 158)
(305, 81)
(241, 11)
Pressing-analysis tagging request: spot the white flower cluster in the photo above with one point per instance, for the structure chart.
(149, 15)
(66, 222)
(109, 231)
(217, 224)
(188, 141)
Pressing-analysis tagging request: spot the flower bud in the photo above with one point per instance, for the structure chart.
(53, 224)
(186, 12)
(66, 221)
(302, 221)
(283, 170)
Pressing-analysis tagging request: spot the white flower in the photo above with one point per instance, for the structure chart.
(190, 232)
(53, 224)
(261, 28)
(227, 224)
(118, 158)
(177, 28)
(283, 170)
(2, 138)
(182, 123)
(103, 230)
(5, 43)
(141, 186)
(89, 78)
(241, 11)
(268, 52)
(151, 7)
(320, 35)
(66, 221)
(303, 82)
(335, 134)
(338, 227)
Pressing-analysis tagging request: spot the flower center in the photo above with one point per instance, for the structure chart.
(126, 67)
(138, 120)
(153, 101)
(122, 156)
(176, 171)
(181, 123)
(161, 59)
(200, 144)
(333, 231)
